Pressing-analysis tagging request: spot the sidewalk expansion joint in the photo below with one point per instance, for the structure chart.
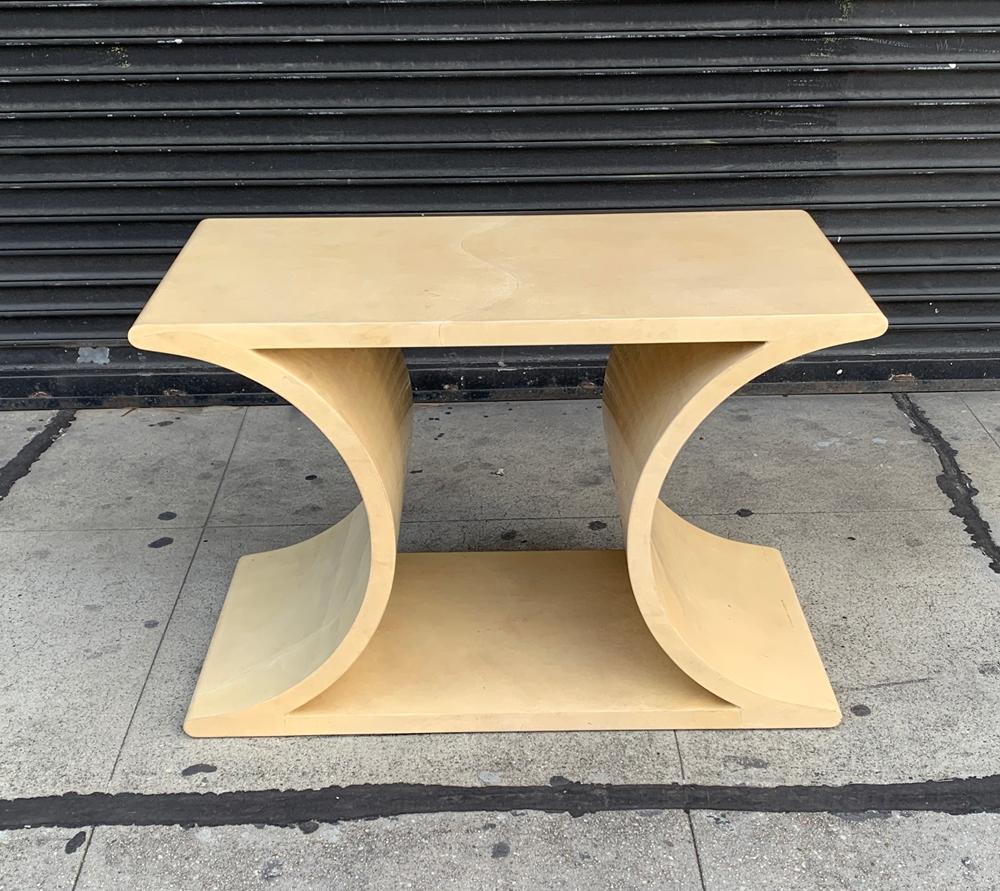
(20, 465)
(273, 807)
(954, 482)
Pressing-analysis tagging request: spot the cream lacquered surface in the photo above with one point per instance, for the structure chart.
(340, 634)
(469, 281)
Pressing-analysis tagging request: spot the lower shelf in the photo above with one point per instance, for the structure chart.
(538, 640)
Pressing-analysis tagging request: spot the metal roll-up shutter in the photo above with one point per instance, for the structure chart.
(124, 122)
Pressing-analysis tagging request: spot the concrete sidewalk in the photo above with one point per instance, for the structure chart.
(118, 542)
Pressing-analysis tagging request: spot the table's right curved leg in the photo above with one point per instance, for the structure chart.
(724, 611)
(296, 618)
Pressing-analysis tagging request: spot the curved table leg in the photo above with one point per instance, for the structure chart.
(295, 619)
(724, 611)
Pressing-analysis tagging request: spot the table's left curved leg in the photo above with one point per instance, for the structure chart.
(296, 618)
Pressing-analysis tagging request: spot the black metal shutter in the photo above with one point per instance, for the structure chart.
(124, 122)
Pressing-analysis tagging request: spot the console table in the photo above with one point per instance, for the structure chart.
(342, 634)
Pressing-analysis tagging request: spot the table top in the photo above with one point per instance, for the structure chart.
(508, 280)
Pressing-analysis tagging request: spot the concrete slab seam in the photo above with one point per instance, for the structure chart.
(173, 608)
(333, 804)
(954, 482)
(20, 465)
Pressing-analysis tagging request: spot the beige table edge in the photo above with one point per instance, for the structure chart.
(340, 634)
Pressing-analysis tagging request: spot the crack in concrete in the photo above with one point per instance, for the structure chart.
(953, 481)
(902, 683)
(20, 465)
